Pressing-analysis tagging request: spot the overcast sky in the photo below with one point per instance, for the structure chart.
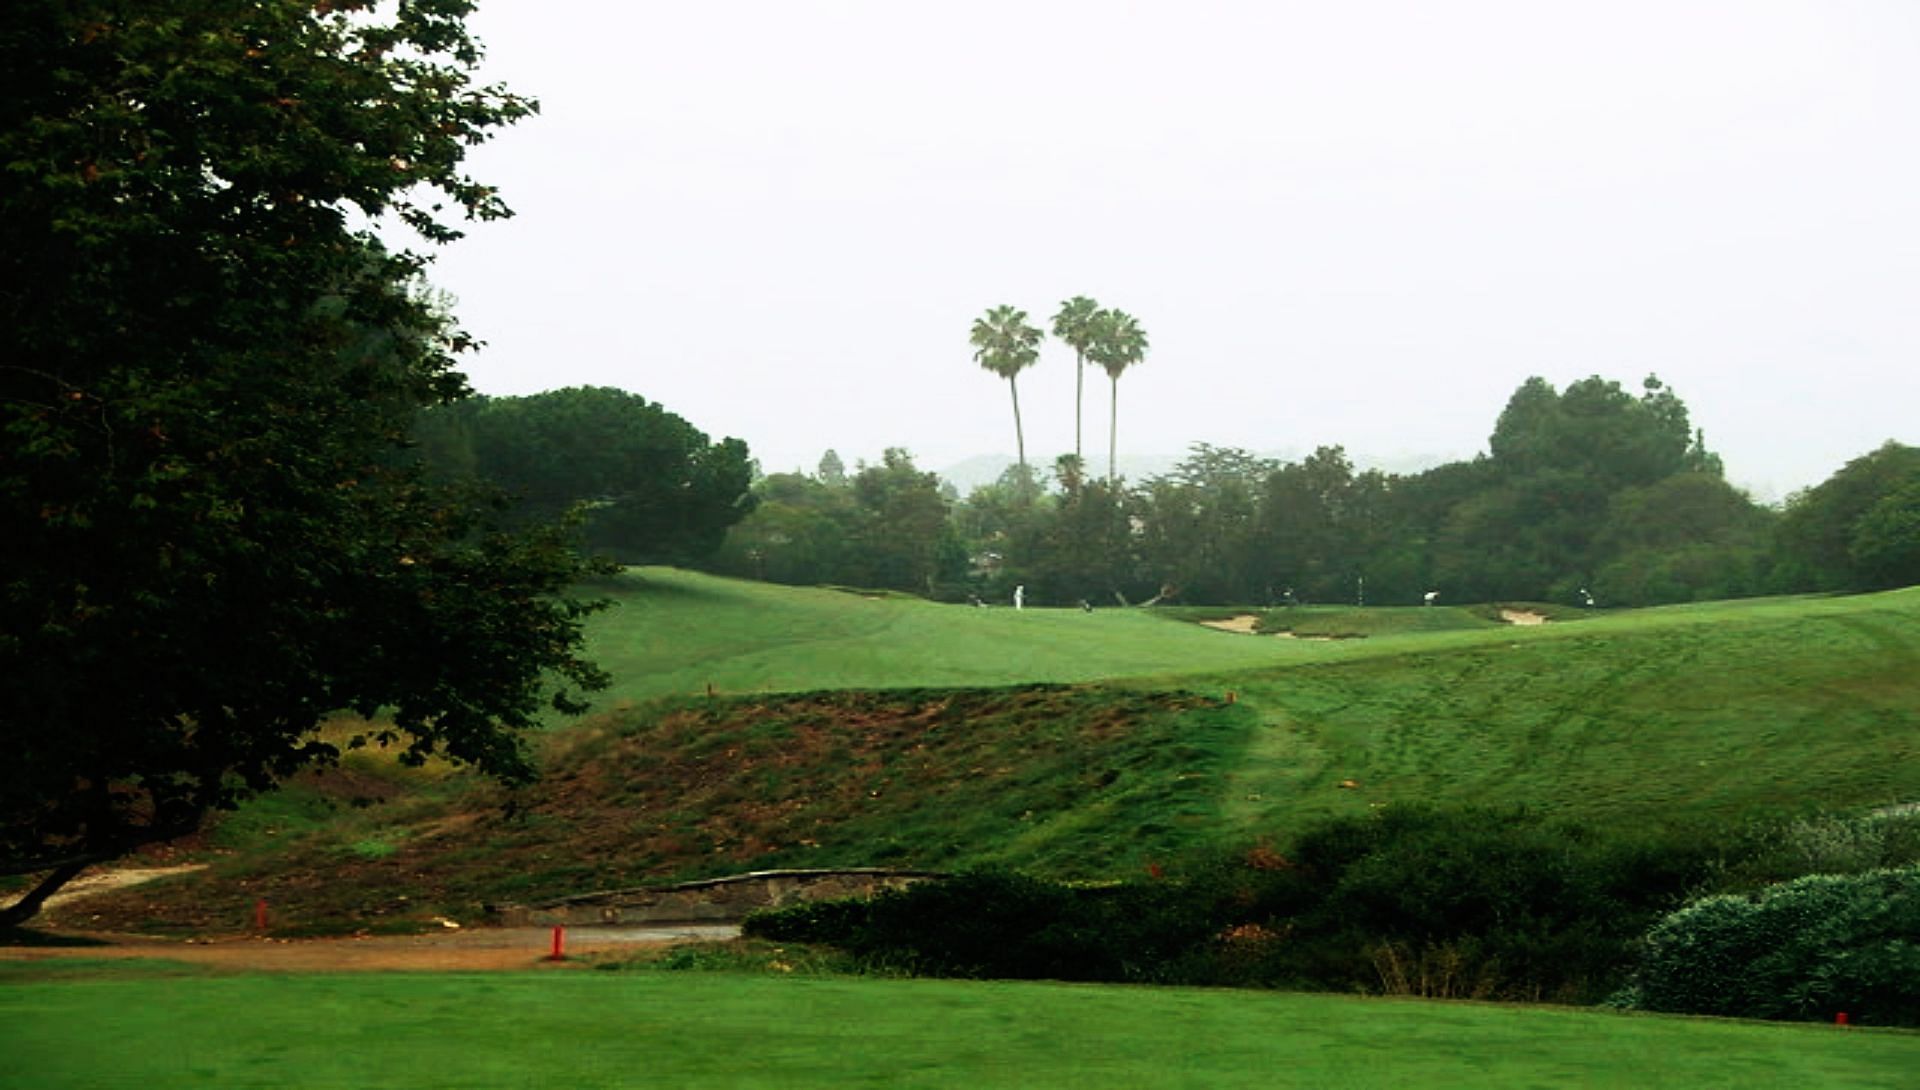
(1355, 223)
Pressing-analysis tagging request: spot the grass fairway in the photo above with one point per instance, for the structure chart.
(698, 1030)
(678, 632)
(1712, 713)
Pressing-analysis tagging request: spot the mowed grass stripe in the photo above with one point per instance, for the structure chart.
(1731, 712)
(428, 1032)
(1715, 711)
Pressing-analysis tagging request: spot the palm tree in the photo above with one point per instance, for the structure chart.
(1074, 325)
(1005, 344)
(1116, 343)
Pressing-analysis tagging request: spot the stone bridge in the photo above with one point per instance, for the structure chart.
(716, 900)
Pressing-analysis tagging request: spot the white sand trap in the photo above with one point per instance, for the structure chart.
(1522, 616)
(1244, 625)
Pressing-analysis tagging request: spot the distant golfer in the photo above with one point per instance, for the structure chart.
(1586, 597)
(1430, 596)
(1020, 596)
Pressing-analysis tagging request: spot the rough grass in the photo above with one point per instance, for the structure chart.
(424, 1032)
(1069, 781)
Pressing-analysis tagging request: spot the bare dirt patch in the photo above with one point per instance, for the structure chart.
(475, 949)
(102, 881)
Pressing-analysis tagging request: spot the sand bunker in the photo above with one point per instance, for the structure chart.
(1522, 616)
(1245, 624)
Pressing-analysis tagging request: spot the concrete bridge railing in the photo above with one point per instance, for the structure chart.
(707, 900)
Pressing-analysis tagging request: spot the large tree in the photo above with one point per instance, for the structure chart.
(1117, 343)
(1856, 529)
(1005, 344)
(209, 536)
(1073, 325)
(653, 488)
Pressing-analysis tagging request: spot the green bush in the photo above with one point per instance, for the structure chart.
(1470, 903)
(1807, 949)
(1001, 924)
(1491, 903)
(1771, 852)
(831, 922)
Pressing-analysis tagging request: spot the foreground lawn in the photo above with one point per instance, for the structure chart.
(601, 1029)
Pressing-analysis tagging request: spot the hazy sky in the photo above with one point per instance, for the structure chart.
(1357, 223)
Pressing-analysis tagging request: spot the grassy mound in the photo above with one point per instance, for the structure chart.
(1711, 716)
(1068, 781)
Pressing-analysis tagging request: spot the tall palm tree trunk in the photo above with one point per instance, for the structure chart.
(1019, 436)
(1113, 436)
(1079, 384)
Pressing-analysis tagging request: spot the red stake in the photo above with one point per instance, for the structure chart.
(260, 914)
(559, 944)
(1840, 1019)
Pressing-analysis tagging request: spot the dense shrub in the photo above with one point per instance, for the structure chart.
(1770, 852)
(1492, 904)
(1477, 903)
(1806, 949)
(1001, 924)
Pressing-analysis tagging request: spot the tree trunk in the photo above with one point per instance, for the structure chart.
(1113, 436)
(1019, 437)
(26, 908)
(1079, 384)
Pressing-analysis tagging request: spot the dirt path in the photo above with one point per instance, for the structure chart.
(101, 881)
(471, 949)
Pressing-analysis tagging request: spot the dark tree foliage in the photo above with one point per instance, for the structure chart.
(1206, 520)
(887, 526)
(1558, 460)
(652, 488)
(901, 537)
(208, 539)
(1857, 530)
(798, 532)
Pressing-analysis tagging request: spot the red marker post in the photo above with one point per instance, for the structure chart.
(559, 944)
(260, 915)
(1840, 1019)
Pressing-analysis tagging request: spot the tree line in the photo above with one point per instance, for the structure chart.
(1587, 494)
(1005, 344)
